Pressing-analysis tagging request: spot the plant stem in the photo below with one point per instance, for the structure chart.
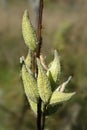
(43, 118)
(39, 37)
(39, 28)
(39, 115)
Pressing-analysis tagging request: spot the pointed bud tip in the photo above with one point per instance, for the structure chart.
(56, 55)
(74, 93)
(26, 14)
(70, 77)
(26, 11)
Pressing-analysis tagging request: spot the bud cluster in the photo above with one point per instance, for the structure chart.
(46, 84)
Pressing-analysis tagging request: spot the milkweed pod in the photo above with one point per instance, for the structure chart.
(30, 85)
(43, 82)
(54, 71)
(59, 97)
(28, 32)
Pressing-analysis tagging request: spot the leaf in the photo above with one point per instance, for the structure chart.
(44, 86)
(28, 32)
(59, 97)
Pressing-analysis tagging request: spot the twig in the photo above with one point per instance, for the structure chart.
(43, 118)
(39, 28)
(40, 11)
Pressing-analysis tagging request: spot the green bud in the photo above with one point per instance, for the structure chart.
(28, 32)
(54, 71)
(59, 97)
(44, 86)
(30, 84)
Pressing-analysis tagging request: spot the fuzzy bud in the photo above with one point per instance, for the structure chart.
(28, 32)
(59, 97)
(44, 86)
(30, 84)
(54, 71)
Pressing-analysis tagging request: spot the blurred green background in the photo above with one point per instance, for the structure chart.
(64, 29)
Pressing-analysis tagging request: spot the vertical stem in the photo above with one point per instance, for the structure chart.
(39, 28)
(39, 37)
(39, 115)
(43, 118)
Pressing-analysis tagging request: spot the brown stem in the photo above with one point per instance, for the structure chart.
(39, 37)
(43, 118)
(39, 28)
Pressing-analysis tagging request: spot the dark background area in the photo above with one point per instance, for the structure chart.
(64, 29)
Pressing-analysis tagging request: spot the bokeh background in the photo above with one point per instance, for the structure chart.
(64, 29)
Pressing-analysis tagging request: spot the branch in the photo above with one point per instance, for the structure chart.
(43, 118)
(39, 28)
